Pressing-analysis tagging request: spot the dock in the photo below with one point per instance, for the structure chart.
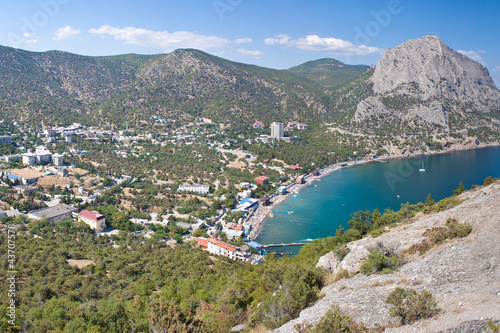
(283, 244)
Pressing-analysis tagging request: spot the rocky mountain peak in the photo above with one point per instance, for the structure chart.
(434, 69)
(437, 79)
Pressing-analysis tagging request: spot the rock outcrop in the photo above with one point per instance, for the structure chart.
(425, 78)
(463, 274)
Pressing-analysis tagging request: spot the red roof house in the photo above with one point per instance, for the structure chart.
(262, 180)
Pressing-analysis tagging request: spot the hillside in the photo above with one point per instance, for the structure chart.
(329, 73)
(421, 94)
(61, 87)
(462, 273)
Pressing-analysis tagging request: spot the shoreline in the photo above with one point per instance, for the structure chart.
(258, 217)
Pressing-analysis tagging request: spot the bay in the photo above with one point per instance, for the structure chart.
(322, 207)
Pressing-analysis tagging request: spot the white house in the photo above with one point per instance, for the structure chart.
(202, 189)
(217, 247)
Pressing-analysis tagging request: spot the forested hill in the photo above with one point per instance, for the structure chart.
(62, 87)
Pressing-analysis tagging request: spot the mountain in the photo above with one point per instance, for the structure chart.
(329, 73)
(425, 79)
(61, 87)
(419, 88)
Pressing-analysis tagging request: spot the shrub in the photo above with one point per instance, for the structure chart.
(494, 328)
(409, 305)
(488, 181)
(332, 322)
(341, 252)
(380, 262)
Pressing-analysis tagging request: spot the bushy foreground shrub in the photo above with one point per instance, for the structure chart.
(408, 305)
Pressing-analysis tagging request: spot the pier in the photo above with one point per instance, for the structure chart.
(283, 244)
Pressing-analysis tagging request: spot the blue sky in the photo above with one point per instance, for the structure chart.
(273, 33)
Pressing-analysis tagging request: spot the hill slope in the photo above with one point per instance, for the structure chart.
(463, 274)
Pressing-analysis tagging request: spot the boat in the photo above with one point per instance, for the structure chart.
(271, 215)
(422, 169)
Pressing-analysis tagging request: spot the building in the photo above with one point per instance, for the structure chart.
(43, 155)
(24, 188)
(262, 180)
(296, 125)
(53, 214)
(29, 159)
(202, 189)
(277, 130)
(95, 220)
(217, 247)
(259, 124)
(57, 159)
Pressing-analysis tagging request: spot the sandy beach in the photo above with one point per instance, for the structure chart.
(256, 219)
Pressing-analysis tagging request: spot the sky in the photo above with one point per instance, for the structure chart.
(273, 33)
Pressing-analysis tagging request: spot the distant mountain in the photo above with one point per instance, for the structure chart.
(62, 87)
(425, 79)
(329, 73)
(420, 87)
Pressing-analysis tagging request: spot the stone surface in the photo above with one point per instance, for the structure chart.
(463, 274)
(435, 77)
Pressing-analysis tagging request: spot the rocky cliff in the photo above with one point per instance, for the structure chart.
(463, 274)
(425, 78)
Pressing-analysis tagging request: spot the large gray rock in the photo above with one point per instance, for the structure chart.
(429, 77)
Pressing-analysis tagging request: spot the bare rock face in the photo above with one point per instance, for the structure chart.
(425, 77)
(462, 274)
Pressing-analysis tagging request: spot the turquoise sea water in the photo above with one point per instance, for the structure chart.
(328, 203)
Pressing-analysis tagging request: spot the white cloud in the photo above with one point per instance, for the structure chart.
(329, 44)
(496, 69)
(474, 55)
(65, 32)
(243, 40)
(256, 54)
(33, 40)
(279, 39)
(161, 39)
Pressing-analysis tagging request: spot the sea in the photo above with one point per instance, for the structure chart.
(320, 208)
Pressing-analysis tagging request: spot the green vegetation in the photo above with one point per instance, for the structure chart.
(381, 261)
(142, 285)
(408, 305)
(334, 321)
(491, 326)
(439, 235)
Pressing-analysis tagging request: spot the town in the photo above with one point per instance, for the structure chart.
(65, 175)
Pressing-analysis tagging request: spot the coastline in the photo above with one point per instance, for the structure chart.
(257, 218)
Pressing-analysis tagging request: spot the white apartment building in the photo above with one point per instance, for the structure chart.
(277, 130)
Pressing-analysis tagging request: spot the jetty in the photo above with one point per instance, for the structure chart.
(283, 244)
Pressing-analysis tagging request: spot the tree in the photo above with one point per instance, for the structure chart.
(460, 189)
(429, 201)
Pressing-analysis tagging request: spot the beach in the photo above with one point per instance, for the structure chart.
(256, 219)
(259, 215)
